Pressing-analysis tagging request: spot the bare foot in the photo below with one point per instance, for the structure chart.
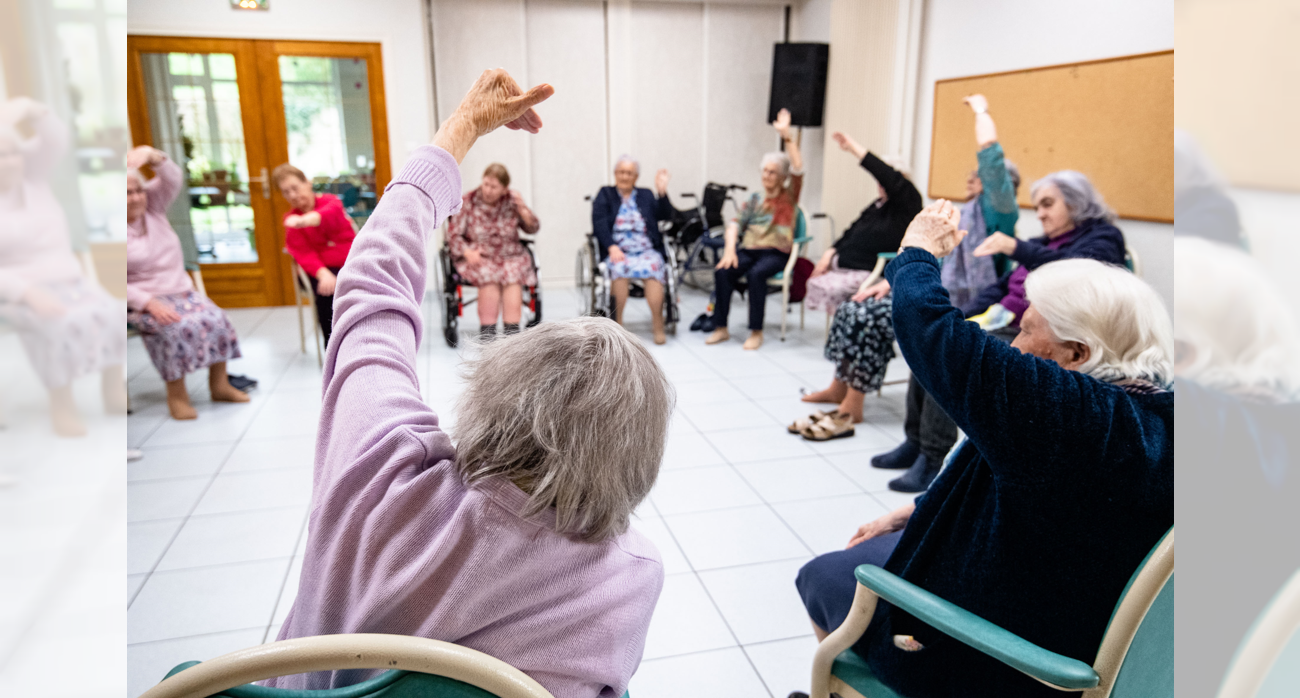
(180, 408)
(755, 341)
(225, 392)
(660, 337)
(832, 395)
(67, 422)
(848, 409)
(719, 335)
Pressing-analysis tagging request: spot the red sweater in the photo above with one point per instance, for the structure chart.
(325, 245)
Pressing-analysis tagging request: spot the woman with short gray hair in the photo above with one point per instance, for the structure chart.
(515, 541)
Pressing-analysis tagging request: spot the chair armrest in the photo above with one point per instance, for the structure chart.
(887, 256)
(1049, 667)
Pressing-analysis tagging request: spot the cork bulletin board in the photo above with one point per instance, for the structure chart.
(1111, 119)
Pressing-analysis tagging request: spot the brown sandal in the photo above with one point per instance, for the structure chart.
(798, 425)
(832, 426)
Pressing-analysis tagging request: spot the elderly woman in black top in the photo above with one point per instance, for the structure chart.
(1065, 485)
(879, 227)
(625, 220)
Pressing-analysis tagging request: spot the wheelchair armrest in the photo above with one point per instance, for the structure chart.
(1049, 667)
(887, 256)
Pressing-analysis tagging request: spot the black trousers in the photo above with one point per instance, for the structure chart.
(926, 423)
(324, 305)
(756, 266)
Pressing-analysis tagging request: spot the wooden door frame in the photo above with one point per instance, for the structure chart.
(269, 266)
(272, 99)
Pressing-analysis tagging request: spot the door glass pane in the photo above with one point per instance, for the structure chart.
(194, 111)
(327, 114)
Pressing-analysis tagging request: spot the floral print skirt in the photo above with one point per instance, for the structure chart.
(827, 291)
(861, 343)
(202, 337)
(641, 259)
(88, 337)
(503, 270)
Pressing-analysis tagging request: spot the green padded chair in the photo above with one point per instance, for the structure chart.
(782, 278)
(1136, 658)
(417, 668)
(1267, 665)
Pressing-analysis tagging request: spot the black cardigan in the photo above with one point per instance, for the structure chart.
(879, 228)
(1038, 522)
(604, 209)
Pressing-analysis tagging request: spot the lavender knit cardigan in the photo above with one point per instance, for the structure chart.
(397, 543)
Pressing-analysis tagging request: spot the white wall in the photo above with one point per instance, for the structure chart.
(396, 24)
(971, 38)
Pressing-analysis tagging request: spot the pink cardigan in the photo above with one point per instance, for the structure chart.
(397, 543)
(155, 265)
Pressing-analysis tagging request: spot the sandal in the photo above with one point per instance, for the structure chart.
(802, 423)
(832, 426)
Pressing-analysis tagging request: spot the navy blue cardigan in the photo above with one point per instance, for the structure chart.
(1066, 484)
(604, 209)
(1096, 239)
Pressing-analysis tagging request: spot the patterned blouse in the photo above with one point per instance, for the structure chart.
(769, 223)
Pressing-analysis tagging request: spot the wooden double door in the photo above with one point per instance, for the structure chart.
(229, 111)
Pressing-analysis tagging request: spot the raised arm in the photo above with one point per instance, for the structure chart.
(163, 188)
(993, 173)
(49, 140)
(782, 126)
(372, 391)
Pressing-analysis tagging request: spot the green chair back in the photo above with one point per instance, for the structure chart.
(1148, 669)
(800, 227)
(390, 684)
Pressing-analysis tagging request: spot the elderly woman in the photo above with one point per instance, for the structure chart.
(515, 542)
(1065, 485)
(767, 222)
(1237, 345)
(318, 233)
(1077, 224)
(182, 330)
(843, 267)
(861, 339)
(69, 327)
(625, 220)
(483, 239)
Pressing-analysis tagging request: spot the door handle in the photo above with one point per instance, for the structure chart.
(265, 180)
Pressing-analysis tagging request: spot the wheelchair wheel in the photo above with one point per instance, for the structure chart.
(451, 320)
(536, 299)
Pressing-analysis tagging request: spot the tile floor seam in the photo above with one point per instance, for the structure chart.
(302, 531)
(188, 637)
(217, 565)
(781, 639)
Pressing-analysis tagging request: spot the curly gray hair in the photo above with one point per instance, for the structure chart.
(576, 414)
(1083, 200)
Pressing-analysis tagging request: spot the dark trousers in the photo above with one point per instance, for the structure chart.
(324, 306)
(826, 583)
(926, 423)
(756, 266)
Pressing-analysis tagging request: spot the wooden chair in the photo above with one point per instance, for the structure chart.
(1136, 658)
(302, 296)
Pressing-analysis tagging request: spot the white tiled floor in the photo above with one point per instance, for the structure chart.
(218, 507)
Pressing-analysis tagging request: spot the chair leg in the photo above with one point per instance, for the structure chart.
(785, 305)
(800, 316)
(302, 330)
(315, 334)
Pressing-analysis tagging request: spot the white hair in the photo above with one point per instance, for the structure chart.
(136, 174)
(1120, 318)
(781, 160)
(1242, 329)
(627, 158)
(1081, 198)
(574, 412)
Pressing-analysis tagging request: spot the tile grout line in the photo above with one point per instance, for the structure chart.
(285, 582)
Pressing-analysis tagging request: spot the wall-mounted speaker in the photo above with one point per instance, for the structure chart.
(799, 82)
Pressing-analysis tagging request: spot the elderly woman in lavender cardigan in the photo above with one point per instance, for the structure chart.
(516, 541)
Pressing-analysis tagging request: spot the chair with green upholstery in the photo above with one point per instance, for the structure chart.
(1267, 665)
(1135, 660)
(783, 278)
(415, 668)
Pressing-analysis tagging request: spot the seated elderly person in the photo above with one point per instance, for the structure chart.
(68, 326)
(843, 267)
(1065, 484)
(767, 222)
(1238, 402)
(515, 542)
(483, 239)
(182, 330)
(318, 234)
(1077, 223)
(625, 220)
(861, 339)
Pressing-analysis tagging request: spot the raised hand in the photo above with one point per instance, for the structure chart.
(935, 229)
(782, 123)
(977, 103)
(142, 155)
(495, 100)
(661, 181)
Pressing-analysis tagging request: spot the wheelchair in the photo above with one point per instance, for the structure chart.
(595, 287)
(699, 233)
(451, 293)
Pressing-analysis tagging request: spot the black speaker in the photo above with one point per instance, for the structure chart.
(799, 82)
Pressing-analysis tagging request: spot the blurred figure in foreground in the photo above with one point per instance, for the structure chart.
(1237, 347)
(69, 326)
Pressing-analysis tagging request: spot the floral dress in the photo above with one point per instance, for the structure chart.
(641, 259)
(861, 342)
(493, 230)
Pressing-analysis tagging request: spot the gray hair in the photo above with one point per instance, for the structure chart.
(1117, 315)
(1243, 330)
(780, 159)
(136, 174)
(1083, 201)
(575, 413)
(627, 158)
